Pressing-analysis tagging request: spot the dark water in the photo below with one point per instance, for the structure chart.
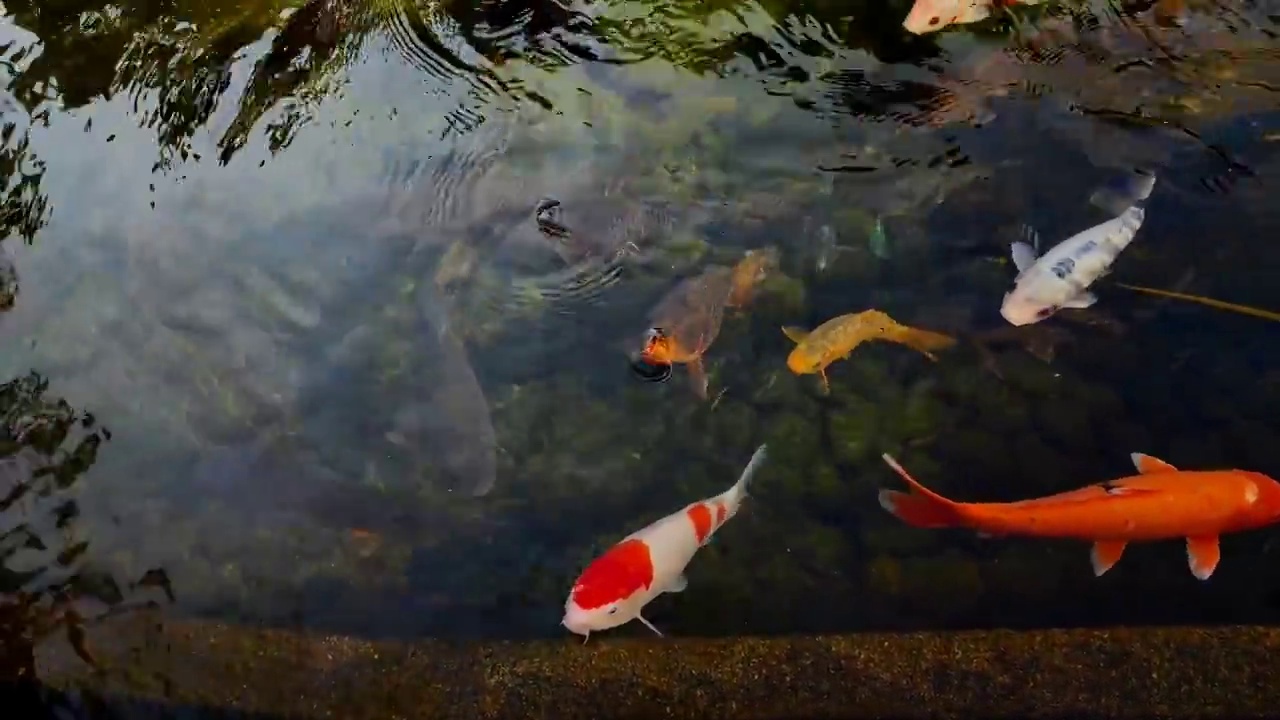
(277, 302)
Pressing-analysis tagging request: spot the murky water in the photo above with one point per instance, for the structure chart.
(325, 314)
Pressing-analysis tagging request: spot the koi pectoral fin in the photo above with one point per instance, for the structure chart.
(648, 625)
(1106, 553)
(698, 377)
(1203, 554)
(795, 334)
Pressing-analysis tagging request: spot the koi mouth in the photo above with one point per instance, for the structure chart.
(650, 364)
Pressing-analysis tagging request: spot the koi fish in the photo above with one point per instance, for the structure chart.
(836, 338)
(1160, 503)
(1062, 276)
(687, 320)
(614, 589)
(928, 16)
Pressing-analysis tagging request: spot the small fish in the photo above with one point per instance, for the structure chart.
(878, 240)
(1220, 304)
(836, 338)
(1160, 503)
(928, 16)
(687, 320)
(828, 247)
(1062, 276)
(614, 589)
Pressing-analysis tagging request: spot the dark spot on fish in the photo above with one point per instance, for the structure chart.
(1063, 268)
(1046, 312)
(1110, 487)
(934, 20)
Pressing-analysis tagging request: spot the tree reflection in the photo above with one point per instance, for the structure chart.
(46, 447)
(174, 58)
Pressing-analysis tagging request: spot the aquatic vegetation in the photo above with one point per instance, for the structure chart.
(1219, 304)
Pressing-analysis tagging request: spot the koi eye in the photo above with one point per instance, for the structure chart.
(613, 610)
(934, 20)
(1046, 312)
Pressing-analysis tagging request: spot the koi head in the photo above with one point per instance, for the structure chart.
(653, 362)
(1262, 496)
(802, 363)
(928, 16)
(610, 591)
(582, 621)
(659, 347)
(1023, 307)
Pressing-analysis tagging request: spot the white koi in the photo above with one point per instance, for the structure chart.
(1061, 277)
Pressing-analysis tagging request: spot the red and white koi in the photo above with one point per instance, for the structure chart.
(614, 588)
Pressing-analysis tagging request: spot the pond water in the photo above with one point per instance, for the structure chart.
(325, 315)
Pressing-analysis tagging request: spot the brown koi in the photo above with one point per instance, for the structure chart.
(687, 319)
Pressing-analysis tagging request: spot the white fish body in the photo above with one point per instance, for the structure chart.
(614, 589)
(928, 16)
(1061, 277)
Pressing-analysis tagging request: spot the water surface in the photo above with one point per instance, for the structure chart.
(285, 343)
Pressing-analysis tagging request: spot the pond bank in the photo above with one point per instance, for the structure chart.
(1115, 673)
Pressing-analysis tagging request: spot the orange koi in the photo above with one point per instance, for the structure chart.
(1160, 503)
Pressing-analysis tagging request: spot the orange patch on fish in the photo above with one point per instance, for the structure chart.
(618, 574)
(700, 515)
(721, 513)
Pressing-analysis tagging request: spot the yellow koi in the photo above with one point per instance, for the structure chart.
(836, 338)
(1221, 305)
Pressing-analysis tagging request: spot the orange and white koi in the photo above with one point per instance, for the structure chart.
(614, 589)
(1161, 502)
(928, 16)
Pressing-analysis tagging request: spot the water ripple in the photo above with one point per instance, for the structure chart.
(419, 40)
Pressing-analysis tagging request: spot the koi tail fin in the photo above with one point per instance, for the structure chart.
(739, 489)
(921, 507)
(926, 341)
(1129, 190)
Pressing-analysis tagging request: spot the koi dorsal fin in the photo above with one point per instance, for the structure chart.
(1148, 464)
